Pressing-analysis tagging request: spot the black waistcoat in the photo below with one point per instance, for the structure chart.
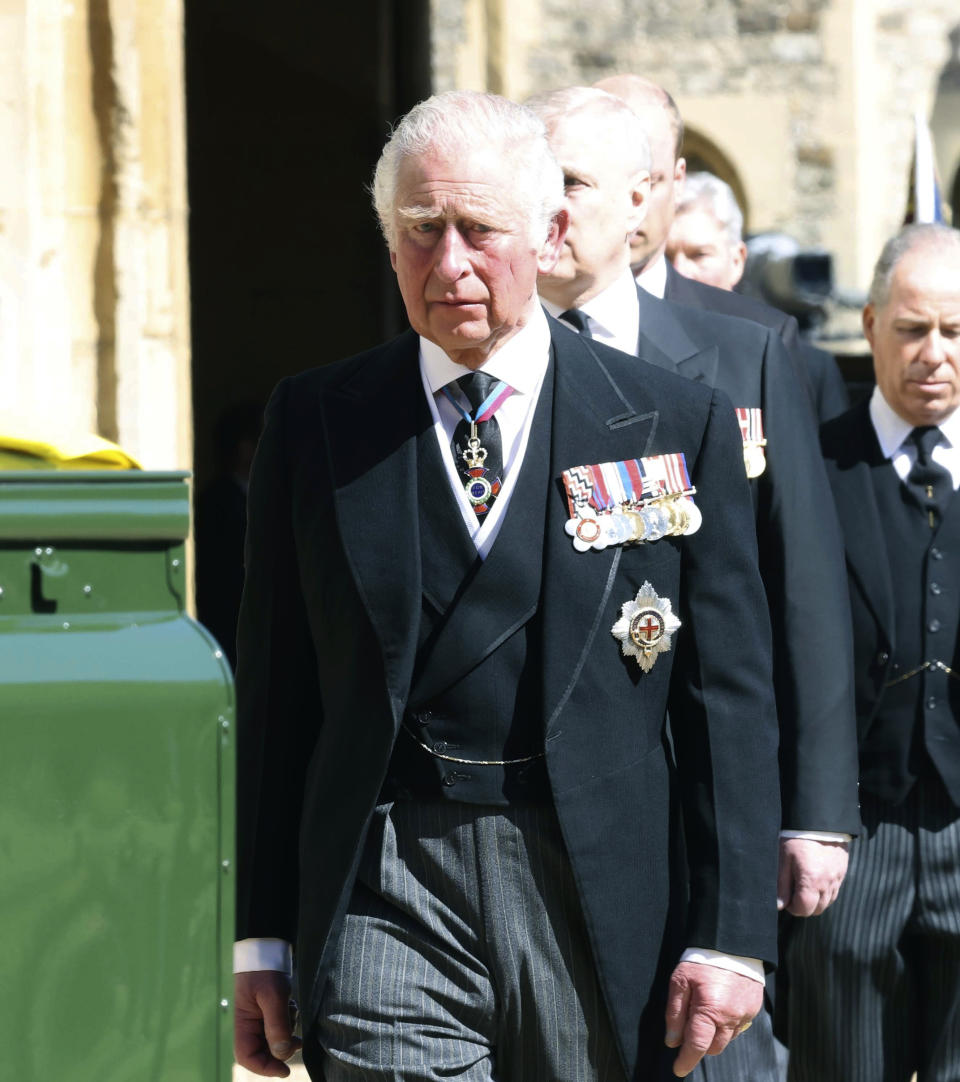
(493, 712)
(917, 721)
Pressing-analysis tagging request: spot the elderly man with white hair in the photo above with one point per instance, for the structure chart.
(705, 244)
(484, 560)
(705, 241)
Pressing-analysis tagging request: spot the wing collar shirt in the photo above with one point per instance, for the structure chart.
(613, 315)
(522, 363)
(893, 435)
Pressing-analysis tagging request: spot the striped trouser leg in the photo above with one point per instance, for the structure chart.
(751, 1057)
(464, 955)
(874, 980)
(933, 940)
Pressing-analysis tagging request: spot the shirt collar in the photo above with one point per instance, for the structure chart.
(653, 277)
(519, 362)
(614, 308)
(892, 430)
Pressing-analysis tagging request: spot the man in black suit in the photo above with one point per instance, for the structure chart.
(875, 983)
(663, 126)
(705, 244)
(599, 145)
(456, 789)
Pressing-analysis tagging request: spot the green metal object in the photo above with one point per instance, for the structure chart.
(116, 788)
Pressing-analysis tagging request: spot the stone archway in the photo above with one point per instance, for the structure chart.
(703, 155)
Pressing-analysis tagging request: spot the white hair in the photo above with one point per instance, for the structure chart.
(616, 122)
(452, 122)
(704, 191)
(924, 235)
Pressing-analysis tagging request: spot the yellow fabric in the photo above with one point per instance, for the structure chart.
(37, 443)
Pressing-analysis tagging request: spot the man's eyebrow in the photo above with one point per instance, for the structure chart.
(418, 213)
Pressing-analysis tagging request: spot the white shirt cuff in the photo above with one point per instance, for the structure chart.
(816, 835)
(746, 967)
(255, 954)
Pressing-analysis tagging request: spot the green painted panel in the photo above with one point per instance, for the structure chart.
(116, 802)
(122, 505)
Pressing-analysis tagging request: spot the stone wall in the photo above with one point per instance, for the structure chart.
(810, 101)
(94, 324)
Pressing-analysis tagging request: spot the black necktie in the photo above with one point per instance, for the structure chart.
(482, 479)
(931, 483)
(576, 318)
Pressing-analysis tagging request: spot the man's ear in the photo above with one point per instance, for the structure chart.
(738, 261)
(393, 259)
(639, 193)
(679, 178)
(869, 320)
(550, 250)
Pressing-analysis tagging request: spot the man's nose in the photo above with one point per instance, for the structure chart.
(933, 350)
(451, 255)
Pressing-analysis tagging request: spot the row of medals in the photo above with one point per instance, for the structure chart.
(669, 516)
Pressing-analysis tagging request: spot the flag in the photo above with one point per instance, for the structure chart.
(923, 199)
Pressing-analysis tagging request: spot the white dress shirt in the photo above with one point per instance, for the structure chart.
(893, 435)
(613, 316)
(653, 277)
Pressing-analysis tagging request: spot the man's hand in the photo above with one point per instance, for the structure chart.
(263, 1022)
(706, 1008)
(810, 875)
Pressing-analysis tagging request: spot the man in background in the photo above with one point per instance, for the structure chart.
(875, 982)
(601, 148)
(663, 125)
(705, 243)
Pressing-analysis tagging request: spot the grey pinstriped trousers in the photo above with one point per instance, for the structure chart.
(464, 955)
(875, 981)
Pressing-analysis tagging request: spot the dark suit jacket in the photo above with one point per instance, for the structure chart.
(801, 556)
(818, 369)
(327, 642)
(852, 455)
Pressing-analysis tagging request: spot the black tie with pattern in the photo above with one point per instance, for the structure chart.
(576, 318)
(481, 473)
(930, 482)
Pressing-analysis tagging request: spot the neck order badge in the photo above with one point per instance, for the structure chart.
(476, 444)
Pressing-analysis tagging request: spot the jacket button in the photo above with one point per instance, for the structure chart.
(936, 554)
(440, 746)
(424, 717)
(934, 625)
(931, 703)
(449, 779)
(936, 589)
(883, 657)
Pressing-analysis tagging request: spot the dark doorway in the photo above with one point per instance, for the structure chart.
(288, 106)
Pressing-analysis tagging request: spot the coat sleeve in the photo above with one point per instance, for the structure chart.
(278, 701)
(722, 713)
(802, 564)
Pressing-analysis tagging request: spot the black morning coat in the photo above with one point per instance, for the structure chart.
(818, 369)
(327, 641)
(801, 556)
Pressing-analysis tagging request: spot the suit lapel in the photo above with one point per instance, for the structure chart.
(374, 419)
(853, 476)
(662, 329)
(588, 408)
